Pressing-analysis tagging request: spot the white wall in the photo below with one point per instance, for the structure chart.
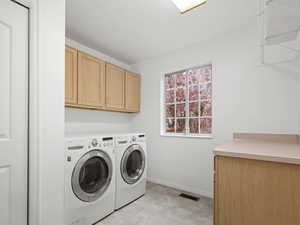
(247, 97)
(47, 31)
(91, 121)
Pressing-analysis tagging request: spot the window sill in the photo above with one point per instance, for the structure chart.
(203, 136)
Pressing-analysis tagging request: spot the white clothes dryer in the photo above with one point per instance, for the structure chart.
(89, 179)
(131, 168)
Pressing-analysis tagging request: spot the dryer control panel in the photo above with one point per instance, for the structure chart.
(137, 138)
(129, 139)
(122, 140)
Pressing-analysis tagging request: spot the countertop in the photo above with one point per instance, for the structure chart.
(267, 147)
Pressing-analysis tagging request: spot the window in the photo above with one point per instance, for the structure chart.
(187, 5)
(187, 102)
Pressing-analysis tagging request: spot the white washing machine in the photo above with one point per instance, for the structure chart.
(89, 179)
(131, 168)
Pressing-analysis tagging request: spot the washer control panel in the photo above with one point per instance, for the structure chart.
(75, 145)
(103, 142)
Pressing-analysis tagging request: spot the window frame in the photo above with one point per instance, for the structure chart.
(163, 107)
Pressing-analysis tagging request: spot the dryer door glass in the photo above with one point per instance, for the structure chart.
(133, 164)
(92, 175)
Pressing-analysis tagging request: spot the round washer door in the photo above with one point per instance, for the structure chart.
(133, 164)
(92, 175)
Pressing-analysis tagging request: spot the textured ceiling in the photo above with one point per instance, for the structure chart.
(135, 30)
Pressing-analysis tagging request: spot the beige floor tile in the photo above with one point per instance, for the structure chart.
(162, 206)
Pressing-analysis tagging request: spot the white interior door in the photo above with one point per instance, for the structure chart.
(13, 113)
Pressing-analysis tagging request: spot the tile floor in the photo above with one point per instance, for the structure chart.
(163, 206)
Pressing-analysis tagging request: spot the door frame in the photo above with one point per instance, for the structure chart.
(32, 178)
(38, 138)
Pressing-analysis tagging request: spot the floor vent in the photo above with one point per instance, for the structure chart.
(190, 197)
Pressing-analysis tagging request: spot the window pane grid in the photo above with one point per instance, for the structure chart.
(189, 102)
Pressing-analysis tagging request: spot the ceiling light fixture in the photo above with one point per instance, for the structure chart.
(187, 5)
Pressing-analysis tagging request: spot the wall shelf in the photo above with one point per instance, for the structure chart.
(280, 31)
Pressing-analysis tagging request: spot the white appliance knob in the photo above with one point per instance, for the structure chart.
(94, 142)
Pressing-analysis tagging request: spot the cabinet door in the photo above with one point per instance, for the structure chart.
(254, 192)
(91, 80)
(132, 99)
(115, 87)
(70, 75)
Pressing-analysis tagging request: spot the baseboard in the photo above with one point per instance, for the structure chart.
(180, 187)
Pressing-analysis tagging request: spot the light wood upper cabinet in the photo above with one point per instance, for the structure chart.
(115, 87)
(91, 80)
(132, 91)
(91, 83)
(70, 75)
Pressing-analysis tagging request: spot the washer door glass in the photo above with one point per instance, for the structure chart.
(133, 164)
(92, 175)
